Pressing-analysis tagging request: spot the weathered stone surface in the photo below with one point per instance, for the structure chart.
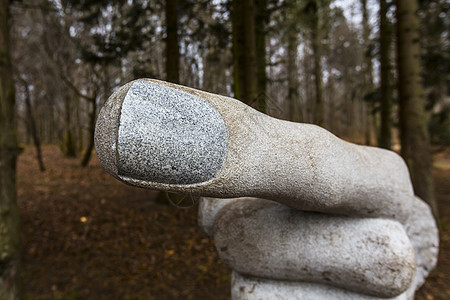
(166, 135)
(420, 229)
(234, 151)
(303, 165)
(208, 208)
(251, 288)
(106, 130)
(269, 240)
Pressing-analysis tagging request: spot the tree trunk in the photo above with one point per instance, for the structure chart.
(368, 72)
(32, 126)
(90, 147)
(93, 115)
(69, 147)
(244, 50)
(308, 87)
(210, 72)
(293, 84)
(413, 120)
(319, 114)
(250, 77)
(261, 20)
(385, 77)
(172, 46)
(238, 45)
(79, 128)
(10, 287)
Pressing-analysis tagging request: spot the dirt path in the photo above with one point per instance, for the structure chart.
(88, 236)
(438, 284)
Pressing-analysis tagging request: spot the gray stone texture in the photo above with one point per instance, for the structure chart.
(240, 218)
(266, 239)
(106, 129)
(359, 189)
(169, 136)
(208, 208)
(250, 288)
(303, 165)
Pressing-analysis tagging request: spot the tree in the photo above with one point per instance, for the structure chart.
(292, 43)
(244, 50)
(385, 77)
(261, 21)
(367, 69)
(32, 124)
(9, 214)
(314, 10)
(172, 45)
(346, 83)
(102, 40)
(317, 52)
(217, 56)
(413, 120)
(435, 45)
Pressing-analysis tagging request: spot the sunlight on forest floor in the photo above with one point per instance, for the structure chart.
(88, 236)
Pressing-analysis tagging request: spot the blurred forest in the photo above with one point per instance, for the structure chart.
(355, 67)
(309, 61)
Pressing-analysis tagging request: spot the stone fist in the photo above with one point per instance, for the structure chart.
(326, 218)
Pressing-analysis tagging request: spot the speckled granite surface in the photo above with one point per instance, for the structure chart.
(169, 136)
(145, 139)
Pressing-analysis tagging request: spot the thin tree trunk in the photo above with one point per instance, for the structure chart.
(90, 147)
(413, 120)
(93, 114)
(307, 86)
(210, 73)
(10, 287)
(293, 84)
(172, 45)
(69, 147)
(51, 124)
(385, 77)
(368, 70)
(250, 77)
(238, 45)
(79, 128)
(317, 54)
(334, 116)
(32, 126)
(261, 20)
(244, 50)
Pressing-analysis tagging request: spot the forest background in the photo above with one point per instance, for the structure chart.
(371, 72)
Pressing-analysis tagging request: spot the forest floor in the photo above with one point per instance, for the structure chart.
(88, 236)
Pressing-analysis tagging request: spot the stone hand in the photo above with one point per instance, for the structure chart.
(162, 136)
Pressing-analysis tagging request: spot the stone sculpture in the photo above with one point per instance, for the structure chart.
(318, 217)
